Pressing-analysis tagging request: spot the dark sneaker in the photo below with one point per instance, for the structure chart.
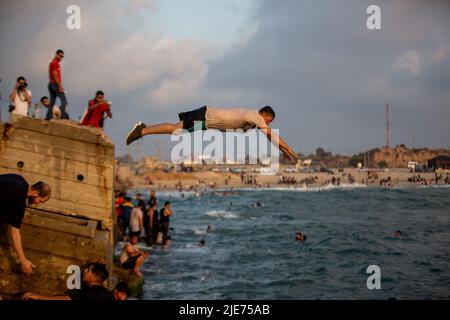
(135, 133)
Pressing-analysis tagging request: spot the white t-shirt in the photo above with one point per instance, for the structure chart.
(136, 216)
(21, 103)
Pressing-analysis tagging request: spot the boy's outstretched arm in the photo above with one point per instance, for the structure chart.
(282, 145)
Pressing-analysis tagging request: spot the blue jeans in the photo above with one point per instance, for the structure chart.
(54, 93)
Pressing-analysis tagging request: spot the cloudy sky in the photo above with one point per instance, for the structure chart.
(327, 76)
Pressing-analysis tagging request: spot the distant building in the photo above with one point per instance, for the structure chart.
(303, 163)
(439, 162)
(412, 164)
(126, 159)
(151, 163)
(322, 154)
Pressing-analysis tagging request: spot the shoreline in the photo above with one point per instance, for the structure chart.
(208, 181)
(292, 188)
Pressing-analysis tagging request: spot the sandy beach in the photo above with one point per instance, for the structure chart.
(160, 180)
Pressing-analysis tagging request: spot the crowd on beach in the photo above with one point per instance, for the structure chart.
(333, 181)
(333, 177)
(373, 178)
(309, 180)
(418, 179)
(21, 100)
(250, 179)
(287, 180)
(198, 187)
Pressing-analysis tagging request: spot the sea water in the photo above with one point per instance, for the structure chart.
(251, 252)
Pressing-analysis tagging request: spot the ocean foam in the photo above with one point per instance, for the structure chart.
(222, 214)
(200, 231)
(304, 188)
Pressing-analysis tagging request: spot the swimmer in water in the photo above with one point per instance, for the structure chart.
(300, 237)
(201, 243)
(208, 229)
(398, 234)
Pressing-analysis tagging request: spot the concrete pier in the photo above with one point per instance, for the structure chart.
(76, 225)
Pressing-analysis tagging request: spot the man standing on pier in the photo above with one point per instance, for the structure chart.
(14, 193)
(55, 86)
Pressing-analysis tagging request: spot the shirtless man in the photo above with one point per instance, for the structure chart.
(132, 256)
(220, 119)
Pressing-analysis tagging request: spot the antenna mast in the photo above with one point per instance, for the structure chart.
(388, 126)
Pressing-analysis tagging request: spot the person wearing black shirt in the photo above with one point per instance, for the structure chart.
(164, 218)
(14, 195)
(94, 274)
(140, 202)
(152, 223)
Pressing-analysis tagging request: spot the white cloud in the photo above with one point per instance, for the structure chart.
(411, 61)
(118, 52)
(143, 5)
(144, 62)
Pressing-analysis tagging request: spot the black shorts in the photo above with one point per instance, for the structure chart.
(131, 262)
(189, 118)
(165, 228)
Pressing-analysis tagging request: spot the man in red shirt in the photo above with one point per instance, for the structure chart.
(96, 111)
(55, 86)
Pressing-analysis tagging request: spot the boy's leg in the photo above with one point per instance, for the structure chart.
(63, 99)
(137, 266)
(163, 128)
(187, 121)
(51, 90)
(140, 129)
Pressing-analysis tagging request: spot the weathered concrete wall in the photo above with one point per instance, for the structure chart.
(52, 242)
(77, 162)
(76, 225)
